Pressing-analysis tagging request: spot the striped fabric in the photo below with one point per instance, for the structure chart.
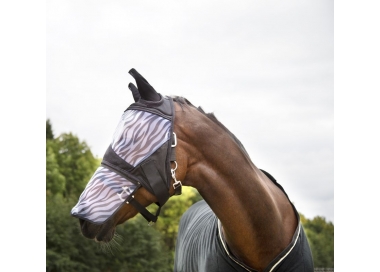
(104, 194)
(138, 135)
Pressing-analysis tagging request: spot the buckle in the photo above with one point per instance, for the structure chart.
(177, 187)
(175, 140)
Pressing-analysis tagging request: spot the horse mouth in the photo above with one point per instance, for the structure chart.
(105, 238)
(99, 233)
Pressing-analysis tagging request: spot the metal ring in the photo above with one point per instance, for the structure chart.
(176, 165)
(175, 140)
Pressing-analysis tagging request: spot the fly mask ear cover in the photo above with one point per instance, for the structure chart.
(151, 169)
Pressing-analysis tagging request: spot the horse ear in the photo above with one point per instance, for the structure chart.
(146, 91)
(135, 92)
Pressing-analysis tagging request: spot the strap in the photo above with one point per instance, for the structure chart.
(172, 154)
(143, 211)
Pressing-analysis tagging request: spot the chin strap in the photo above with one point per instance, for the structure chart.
(142, 210)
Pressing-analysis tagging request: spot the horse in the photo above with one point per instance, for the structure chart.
(245, 221)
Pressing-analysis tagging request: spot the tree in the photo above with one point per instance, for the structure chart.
(66, 249)
(49, 130)
(55, 180)
(142, 248)
(76, 161)
(320, 235)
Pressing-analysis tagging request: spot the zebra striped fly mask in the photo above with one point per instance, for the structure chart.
(139, 156)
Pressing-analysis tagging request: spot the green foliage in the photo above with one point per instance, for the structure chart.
(76, 161)
(49, 130)
(141, 248)
(320, 235)
(55, 181)
(66, 249)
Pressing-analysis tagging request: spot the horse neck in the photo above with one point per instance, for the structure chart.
(249, 206)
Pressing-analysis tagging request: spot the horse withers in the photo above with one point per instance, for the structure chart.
(246, 221)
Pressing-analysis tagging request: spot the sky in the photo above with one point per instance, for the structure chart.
(264, 68)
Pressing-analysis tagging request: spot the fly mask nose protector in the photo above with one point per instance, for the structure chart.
(140, 155)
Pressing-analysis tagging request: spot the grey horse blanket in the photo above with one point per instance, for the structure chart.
(201, 248)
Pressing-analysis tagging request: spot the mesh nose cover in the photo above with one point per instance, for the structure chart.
(104, 194)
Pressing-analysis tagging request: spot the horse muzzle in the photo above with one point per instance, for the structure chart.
(99, 233)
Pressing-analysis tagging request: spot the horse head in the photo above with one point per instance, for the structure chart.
(139, 167)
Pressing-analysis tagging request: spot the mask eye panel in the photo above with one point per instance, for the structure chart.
(139, 134)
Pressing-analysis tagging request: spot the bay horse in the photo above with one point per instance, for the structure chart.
(245, 221)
